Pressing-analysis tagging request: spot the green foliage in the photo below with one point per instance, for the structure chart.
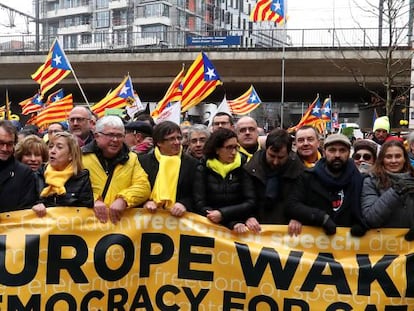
(348, 132)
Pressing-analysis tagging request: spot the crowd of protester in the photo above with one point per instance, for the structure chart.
(228, 172)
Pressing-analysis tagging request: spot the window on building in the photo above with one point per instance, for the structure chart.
(102, 4)
(53, 6)
(102, 19)
(181, 18)
(70, 42)
(53, 29)
(157, 31)
(86, 38)
(101, 37)
(156, 10)
(119, 18)
(120, 37)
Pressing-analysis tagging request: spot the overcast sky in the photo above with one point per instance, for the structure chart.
(301, 14)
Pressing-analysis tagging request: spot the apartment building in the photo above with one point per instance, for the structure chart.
(118, 24)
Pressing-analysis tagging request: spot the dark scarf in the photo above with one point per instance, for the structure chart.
(273, 178)
(350, 181)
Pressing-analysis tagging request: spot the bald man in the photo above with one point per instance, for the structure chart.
(81, 124)
(247, 136)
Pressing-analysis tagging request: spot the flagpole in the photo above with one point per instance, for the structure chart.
(74, 74)
(282, 93)
(7, 110)
(80, 88)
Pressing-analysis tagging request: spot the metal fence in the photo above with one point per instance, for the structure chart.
(272, 38)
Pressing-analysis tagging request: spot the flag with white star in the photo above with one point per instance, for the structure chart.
(55, 96)
(200, 81)
(327, 113)
(32, 104)
(246, 103)
(54, 70)
(312, 116)
(269, 10)
(118, 98)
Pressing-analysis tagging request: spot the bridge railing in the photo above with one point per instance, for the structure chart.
(271, 38)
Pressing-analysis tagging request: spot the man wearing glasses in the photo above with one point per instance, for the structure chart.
(197, 137)
(247, 136)
(17, 183)
(117, 178)
(80, 124)
(222, 120)
(170, 171)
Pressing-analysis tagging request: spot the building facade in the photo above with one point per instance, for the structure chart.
(117, 24)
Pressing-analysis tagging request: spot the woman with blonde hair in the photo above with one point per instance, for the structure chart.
(32, 151)
(66, 181)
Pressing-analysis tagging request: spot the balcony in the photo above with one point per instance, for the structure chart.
(118, 4)
(74, 29)
(161, 20)
(69, 11)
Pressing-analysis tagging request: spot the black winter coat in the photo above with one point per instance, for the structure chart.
(17, 186)
(185, 178)
(312, 198)
(271, 210)
(78, 193)
(233, 196)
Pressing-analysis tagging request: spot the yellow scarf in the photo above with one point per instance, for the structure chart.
(246, 153)
(56, 180)
(223, 169)
(165, 187)
(312, 164)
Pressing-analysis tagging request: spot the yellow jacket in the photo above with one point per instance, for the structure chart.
(129, 180)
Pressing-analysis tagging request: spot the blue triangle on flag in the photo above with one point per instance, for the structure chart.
(127, 90)
(254, 98)
(58, 58)
(210, 73)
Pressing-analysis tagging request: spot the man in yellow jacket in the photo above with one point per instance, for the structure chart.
(117, 178)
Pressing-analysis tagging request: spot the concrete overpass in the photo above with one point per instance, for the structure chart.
(308, 71)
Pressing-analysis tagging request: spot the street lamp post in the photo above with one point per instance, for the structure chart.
(282, 92)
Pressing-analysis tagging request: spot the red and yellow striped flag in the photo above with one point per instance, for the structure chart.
(56, 112)
(173, 94)
(54, 70)
(201, 80)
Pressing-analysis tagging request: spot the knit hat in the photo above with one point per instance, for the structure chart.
(382, 123)
(366, 144)
(337, 138)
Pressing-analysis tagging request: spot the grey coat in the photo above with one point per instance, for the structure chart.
(385, 207)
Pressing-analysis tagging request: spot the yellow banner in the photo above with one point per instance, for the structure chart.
(70, 261)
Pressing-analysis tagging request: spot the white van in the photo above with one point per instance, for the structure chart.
(357, 131)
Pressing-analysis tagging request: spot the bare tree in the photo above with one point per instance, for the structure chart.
(393, 36)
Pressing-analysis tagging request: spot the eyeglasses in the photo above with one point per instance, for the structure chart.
(365, 156)
(173, 139)
(246, 129)
(77, 120)
(54, 131)
(223, 123)
(113, 135)
(7, 144)
(231, 148)
(196, 140)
